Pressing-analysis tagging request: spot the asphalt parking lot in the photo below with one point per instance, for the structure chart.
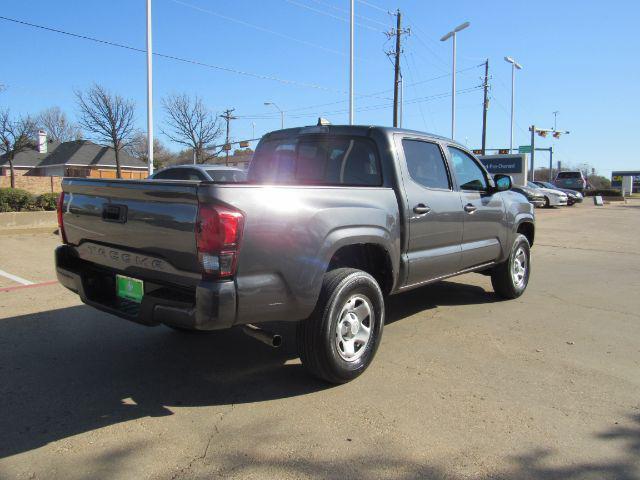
(463, 386)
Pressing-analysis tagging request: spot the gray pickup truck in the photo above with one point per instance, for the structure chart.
(330, 220)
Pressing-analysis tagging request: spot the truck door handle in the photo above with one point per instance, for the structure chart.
(421, 208)
(470, 208)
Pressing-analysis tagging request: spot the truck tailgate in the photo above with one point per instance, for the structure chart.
(134, 225)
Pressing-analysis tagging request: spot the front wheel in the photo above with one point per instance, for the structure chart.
(510, 278)
(340, 338)
(547, 202)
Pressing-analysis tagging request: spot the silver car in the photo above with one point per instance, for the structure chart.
(552, 197)
(204, 172)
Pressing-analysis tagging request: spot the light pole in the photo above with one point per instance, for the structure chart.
(555, 119)
(351, 63)
(514, 65)
(149, 93)
(280, 110)
(446, 37)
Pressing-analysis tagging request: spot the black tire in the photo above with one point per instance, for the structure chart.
(317, 337)
(547, 202)
(502, 277)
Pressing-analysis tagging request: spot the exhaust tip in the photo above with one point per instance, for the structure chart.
(264, 336)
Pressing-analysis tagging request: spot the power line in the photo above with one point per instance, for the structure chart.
(411, 75)
(179, 59)
(258, 27)
(344, 10)
(427, 47)
(387, 105)
(371, 5)
(412, 101)
(260, 116)
(327, 14)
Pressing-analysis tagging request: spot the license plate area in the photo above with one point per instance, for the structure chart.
(129, 288)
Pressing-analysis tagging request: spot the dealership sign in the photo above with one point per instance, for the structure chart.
(506, 164)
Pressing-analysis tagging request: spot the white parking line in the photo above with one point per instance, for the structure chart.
(15, 278)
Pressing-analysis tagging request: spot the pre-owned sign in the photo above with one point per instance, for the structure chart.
(510, 164)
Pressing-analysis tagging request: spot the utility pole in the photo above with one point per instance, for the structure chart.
(485, 107)
(351, 29)
(397, 76)
(228, 117)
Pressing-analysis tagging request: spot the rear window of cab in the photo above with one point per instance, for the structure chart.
(316, 160)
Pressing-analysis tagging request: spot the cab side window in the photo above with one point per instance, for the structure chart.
(426, 164)
(469, 174)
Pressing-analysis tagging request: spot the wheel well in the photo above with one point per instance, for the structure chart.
(369, 257)
(528, 230)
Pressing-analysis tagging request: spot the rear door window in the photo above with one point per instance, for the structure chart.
(317, 160)
(426, 164)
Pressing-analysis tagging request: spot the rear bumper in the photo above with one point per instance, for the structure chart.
(211, 306)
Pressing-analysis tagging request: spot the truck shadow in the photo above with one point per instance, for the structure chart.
(446, 293)
(72, 370)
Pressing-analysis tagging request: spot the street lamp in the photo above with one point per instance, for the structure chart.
(514, 65)
(149, 93)
(446, 37)
(280, 110)
(351, 31)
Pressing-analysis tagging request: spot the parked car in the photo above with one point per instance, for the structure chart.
(331, 220)
(573, 180)
(203, 172)
(552, 196)
(533, 196)
(573, 196)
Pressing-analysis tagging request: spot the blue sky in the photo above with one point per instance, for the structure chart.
(579, 58)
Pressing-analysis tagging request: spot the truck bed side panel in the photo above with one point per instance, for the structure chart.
(290, 235)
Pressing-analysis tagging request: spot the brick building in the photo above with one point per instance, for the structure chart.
(78, 158)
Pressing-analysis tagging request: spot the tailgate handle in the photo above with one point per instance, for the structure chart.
(114, 213)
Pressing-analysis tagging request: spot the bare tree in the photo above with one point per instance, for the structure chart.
(190, 123)
(108, 118)
(15, 136)
(58, 127)
(161, 154)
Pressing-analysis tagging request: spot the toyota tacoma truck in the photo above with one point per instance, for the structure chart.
(329, 222)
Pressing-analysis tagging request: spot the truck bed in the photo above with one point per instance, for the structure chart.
(147, 230)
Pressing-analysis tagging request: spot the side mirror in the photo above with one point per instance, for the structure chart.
(503, 182)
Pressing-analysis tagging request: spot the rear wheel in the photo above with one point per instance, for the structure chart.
(510, 278)
(340, 338)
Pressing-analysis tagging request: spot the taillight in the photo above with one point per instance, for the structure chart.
(60, 211)
(218, 233)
